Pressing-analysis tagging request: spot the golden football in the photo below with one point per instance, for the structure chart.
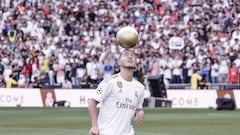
(127, 37)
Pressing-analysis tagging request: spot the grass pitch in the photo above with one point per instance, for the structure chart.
(75, 121)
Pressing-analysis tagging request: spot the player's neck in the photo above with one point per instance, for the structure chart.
(127, 75)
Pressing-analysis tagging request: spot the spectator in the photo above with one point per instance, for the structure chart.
(67, 68)
(66, 84)
(25, 70)
(36, 83)
(81, 69)
(22, 83)
(94, 71)
(177, 71)
(214, 71)
(85, 82)
(59, 69)
(11, 83)
(43, 79)
(51, 73)
(233, 74)
(34, 68)
(205, 70)
(203, 84)
(107, 69)
(195, 78)
(154, 69)
(138, 73)
(45, 64)
(1, 68)
(2, 82)
(7, 72)
(189, 66)
(168, 70)
(73, 72)
(223, 69)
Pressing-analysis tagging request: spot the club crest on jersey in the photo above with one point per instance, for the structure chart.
(119, 84)
(99, 91)
(136, 94)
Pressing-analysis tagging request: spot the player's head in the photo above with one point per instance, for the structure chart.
(127, 59)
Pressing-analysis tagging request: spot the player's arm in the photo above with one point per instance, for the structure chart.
(139, 116)
(102, 92)
(92, 109)
(139, 113)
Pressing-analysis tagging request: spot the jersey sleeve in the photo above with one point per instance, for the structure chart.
(102, 91)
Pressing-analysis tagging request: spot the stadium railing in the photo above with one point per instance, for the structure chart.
(217, 86)
(180, 86)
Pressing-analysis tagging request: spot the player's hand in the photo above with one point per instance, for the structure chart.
(94, 131)
(139, 117)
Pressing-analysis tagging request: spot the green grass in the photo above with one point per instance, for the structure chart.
(75, 121)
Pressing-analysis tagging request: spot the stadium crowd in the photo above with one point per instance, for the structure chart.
(72, 42)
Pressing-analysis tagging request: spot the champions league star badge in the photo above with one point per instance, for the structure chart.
(99, 91)
(119, 84)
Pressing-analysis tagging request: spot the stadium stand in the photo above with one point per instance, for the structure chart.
(48, 41)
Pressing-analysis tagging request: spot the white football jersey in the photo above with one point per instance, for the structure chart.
(118, 100)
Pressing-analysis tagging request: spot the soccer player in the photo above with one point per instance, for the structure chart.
(121, 99)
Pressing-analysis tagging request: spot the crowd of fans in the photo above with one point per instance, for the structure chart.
(72, 43)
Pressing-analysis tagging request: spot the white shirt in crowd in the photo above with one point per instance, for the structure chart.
(7, 72)
(94, 70)
(189, 65)
(215, 69)
(22, 80)
(66, 84)
(237, 62)
(236, 34)
(163, 64)
(177, 66)
(223, 67)
(118, 100)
